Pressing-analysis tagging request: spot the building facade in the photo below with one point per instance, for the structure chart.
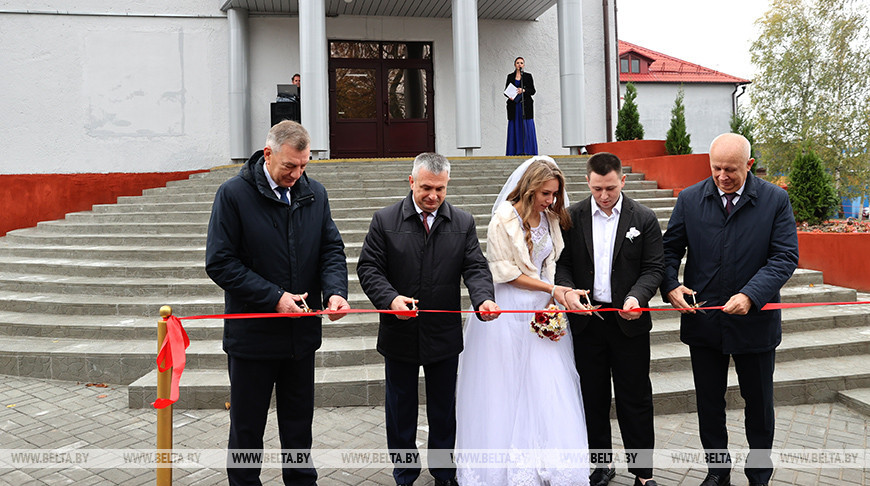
(710, 96)
(163, 86)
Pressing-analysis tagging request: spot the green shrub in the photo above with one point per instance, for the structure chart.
(744, 126)
(628, 125)
(811, 189)
(678, 141)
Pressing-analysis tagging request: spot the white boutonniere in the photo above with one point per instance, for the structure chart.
(632, 232)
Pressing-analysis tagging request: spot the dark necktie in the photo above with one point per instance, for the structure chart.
(283, 191)
(729, 202)
(426, 220)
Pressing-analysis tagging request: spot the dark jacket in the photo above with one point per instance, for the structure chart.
(258, 247)
(753, 251)
(636, 269)
(528, 103)
(399, 258)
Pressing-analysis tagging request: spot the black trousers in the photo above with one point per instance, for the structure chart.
(251, 384)
(602, 351)
(401, 415)
(755, 376)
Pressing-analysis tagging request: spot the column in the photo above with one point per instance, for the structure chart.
(571, 75)
(313, 59)
(466, 63)
(240, 97)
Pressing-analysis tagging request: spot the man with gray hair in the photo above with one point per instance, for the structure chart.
(415, 254)
(272, 243)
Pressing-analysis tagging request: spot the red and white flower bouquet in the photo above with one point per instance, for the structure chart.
(550, 325)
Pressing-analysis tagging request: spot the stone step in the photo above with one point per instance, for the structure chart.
(380, 188)
(139, 297)
(353, 206)
(353, 230)
(337, 176)
(123, 361)
(816, 380)
(107, 327)
(662, 197)
(114, 253)
(114, 326)
(493, 167)
(119, 286)
(348, 221)
(32, 236)
(90, 228)
(104, 268)
(857, 399)
(86, 305)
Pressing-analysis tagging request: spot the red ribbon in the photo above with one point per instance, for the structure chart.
(172, 355)
(415, 313)
(172, 351)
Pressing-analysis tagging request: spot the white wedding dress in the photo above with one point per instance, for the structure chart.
(519, 393)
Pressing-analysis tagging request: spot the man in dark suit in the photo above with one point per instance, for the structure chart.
(614, 248)
(742, 248)
(271, 243)
(416, 252)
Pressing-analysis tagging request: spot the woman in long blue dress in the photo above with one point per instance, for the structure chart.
(521, 138)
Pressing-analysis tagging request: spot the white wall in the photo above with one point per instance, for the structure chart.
(275, 57)
(93, 92)
(108, 87)
(708, 110)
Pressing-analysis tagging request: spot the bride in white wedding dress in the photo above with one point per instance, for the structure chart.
(519, 395)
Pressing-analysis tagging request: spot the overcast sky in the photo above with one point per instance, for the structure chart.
(714, 34)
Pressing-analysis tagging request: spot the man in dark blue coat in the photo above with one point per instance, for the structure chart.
(416, 253)
(271, 243)
(742, 248)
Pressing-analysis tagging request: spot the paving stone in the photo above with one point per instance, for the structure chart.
(110, 424)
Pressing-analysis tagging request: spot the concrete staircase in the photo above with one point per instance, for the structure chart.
(79, 297)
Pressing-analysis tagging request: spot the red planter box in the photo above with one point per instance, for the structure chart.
(675, 172)
(26, 199)
(630, 149)
(843, 257)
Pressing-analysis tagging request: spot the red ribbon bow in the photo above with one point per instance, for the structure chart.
(172, 355)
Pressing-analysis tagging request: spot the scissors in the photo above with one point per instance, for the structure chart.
(304, 306)
(591, 307)
(696, 304)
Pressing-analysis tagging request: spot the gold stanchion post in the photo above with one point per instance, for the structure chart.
(164, 415)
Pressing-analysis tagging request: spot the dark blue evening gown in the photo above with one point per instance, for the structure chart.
(521, 137)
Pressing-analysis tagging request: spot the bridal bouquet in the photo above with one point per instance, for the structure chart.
(550, 325)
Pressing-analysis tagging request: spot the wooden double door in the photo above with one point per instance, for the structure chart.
(380, 99)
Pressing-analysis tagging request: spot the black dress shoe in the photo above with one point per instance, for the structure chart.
(757, 484)
(446, 482)
(601, 476)
(714, 480)
(649, 482)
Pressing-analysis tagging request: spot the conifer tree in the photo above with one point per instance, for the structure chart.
(811, 189)
(628, 125)
(678, 141)
(744, 126)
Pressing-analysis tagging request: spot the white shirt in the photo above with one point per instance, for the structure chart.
(603, 240)
(274, 185)
(736, 198)
(430, 220)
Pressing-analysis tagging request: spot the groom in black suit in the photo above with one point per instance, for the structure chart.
(613, 251)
